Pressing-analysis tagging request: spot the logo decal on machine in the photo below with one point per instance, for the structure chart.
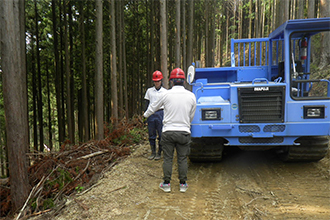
(261, 89)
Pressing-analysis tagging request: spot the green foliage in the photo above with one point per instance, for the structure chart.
(79, 188)
(60, 179)
(136, 134)
(48, 203)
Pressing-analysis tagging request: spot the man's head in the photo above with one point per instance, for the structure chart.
(177, 77)
(157, 77)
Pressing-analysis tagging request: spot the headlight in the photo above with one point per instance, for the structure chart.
(313, 112)
(211, 114)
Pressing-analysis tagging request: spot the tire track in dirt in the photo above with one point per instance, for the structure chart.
(245, 185)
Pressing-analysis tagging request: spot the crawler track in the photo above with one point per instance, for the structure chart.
(310, 149)
(206, 149)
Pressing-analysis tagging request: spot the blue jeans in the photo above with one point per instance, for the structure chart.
(155, 125)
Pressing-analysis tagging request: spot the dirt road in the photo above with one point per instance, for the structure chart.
(245, 185)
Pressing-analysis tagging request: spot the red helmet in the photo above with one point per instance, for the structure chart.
(157, 76)
(177, 73)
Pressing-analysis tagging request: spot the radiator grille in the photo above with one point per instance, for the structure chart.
(261, 105)
(274, 128)
(250, 140)
(249, 129)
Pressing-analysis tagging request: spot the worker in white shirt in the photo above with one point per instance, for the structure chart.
(155, 121)
(179, 108)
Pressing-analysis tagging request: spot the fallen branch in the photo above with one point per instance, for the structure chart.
(248, 191)
(62, 190)
(36, 214)
(92, 154)
(85, 191)
(81, 205)
(30, 195)
(122, 187)
(260, 197)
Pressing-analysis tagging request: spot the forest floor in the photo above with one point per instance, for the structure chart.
(245, 185)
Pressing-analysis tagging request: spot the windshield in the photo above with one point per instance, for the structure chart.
(310, 72)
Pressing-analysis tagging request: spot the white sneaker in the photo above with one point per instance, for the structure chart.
(183, 187)
(165, 187)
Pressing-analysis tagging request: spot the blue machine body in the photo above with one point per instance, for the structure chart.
(252, 104)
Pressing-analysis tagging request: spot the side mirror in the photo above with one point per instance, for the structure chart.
(190, 74)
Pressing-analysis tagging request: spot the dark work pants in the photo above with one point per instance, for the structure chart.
(155, 125)
(180, 141)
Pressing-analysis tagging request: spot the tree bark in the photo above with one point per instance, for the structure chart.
(16, 117)
(325, 40)
(57, 76)
(177, 34)
(163, 42)
(114, 95)
(39, 95)
(99, 130)
(311, 9)
(85, 115)
(250, 19)
(300, 5)
(69, 100)
(183, 34)
(120, 57)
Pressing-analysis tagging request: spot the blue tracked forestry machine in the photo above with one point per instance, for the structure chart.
(274, 96)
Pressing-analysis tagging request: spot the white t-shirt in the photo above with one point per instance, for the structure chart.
(179, 109)
(153, 95)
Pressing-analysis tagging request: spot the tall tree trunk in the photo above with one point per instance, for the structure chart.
(250, 19)
(124, 65)
(50, 134)
(207, 32)
(34, 98)
(279, 13)
(57, 76)
(286, 8)
(114, 95)
(256, 20)
(99, 130)
(311, 9)
(62, 87)
(211, 45)
(68, 77)
(177, 34)
(183, 34)
(16, 118)
(24, 67)
(300, 13)
(273, 17)
(85, 106)
(190, 32)
(120, 57)
(262, 20)
(240, 19)
(227, 34)
(163, 42)
(325, 40)
(71, 70)
(40, 102)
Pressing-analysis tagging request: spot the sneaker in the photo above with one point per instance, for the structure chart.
(183, 187)
(157, 157)
(151, 157)
(165, 187)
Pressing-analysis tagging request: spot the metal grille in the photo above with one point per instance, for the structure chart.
(249, 128)
(261, 104)
(274, 128)
(250, 140)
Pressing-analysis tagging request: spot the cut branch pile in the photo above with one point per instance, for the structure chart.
(74, 169)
